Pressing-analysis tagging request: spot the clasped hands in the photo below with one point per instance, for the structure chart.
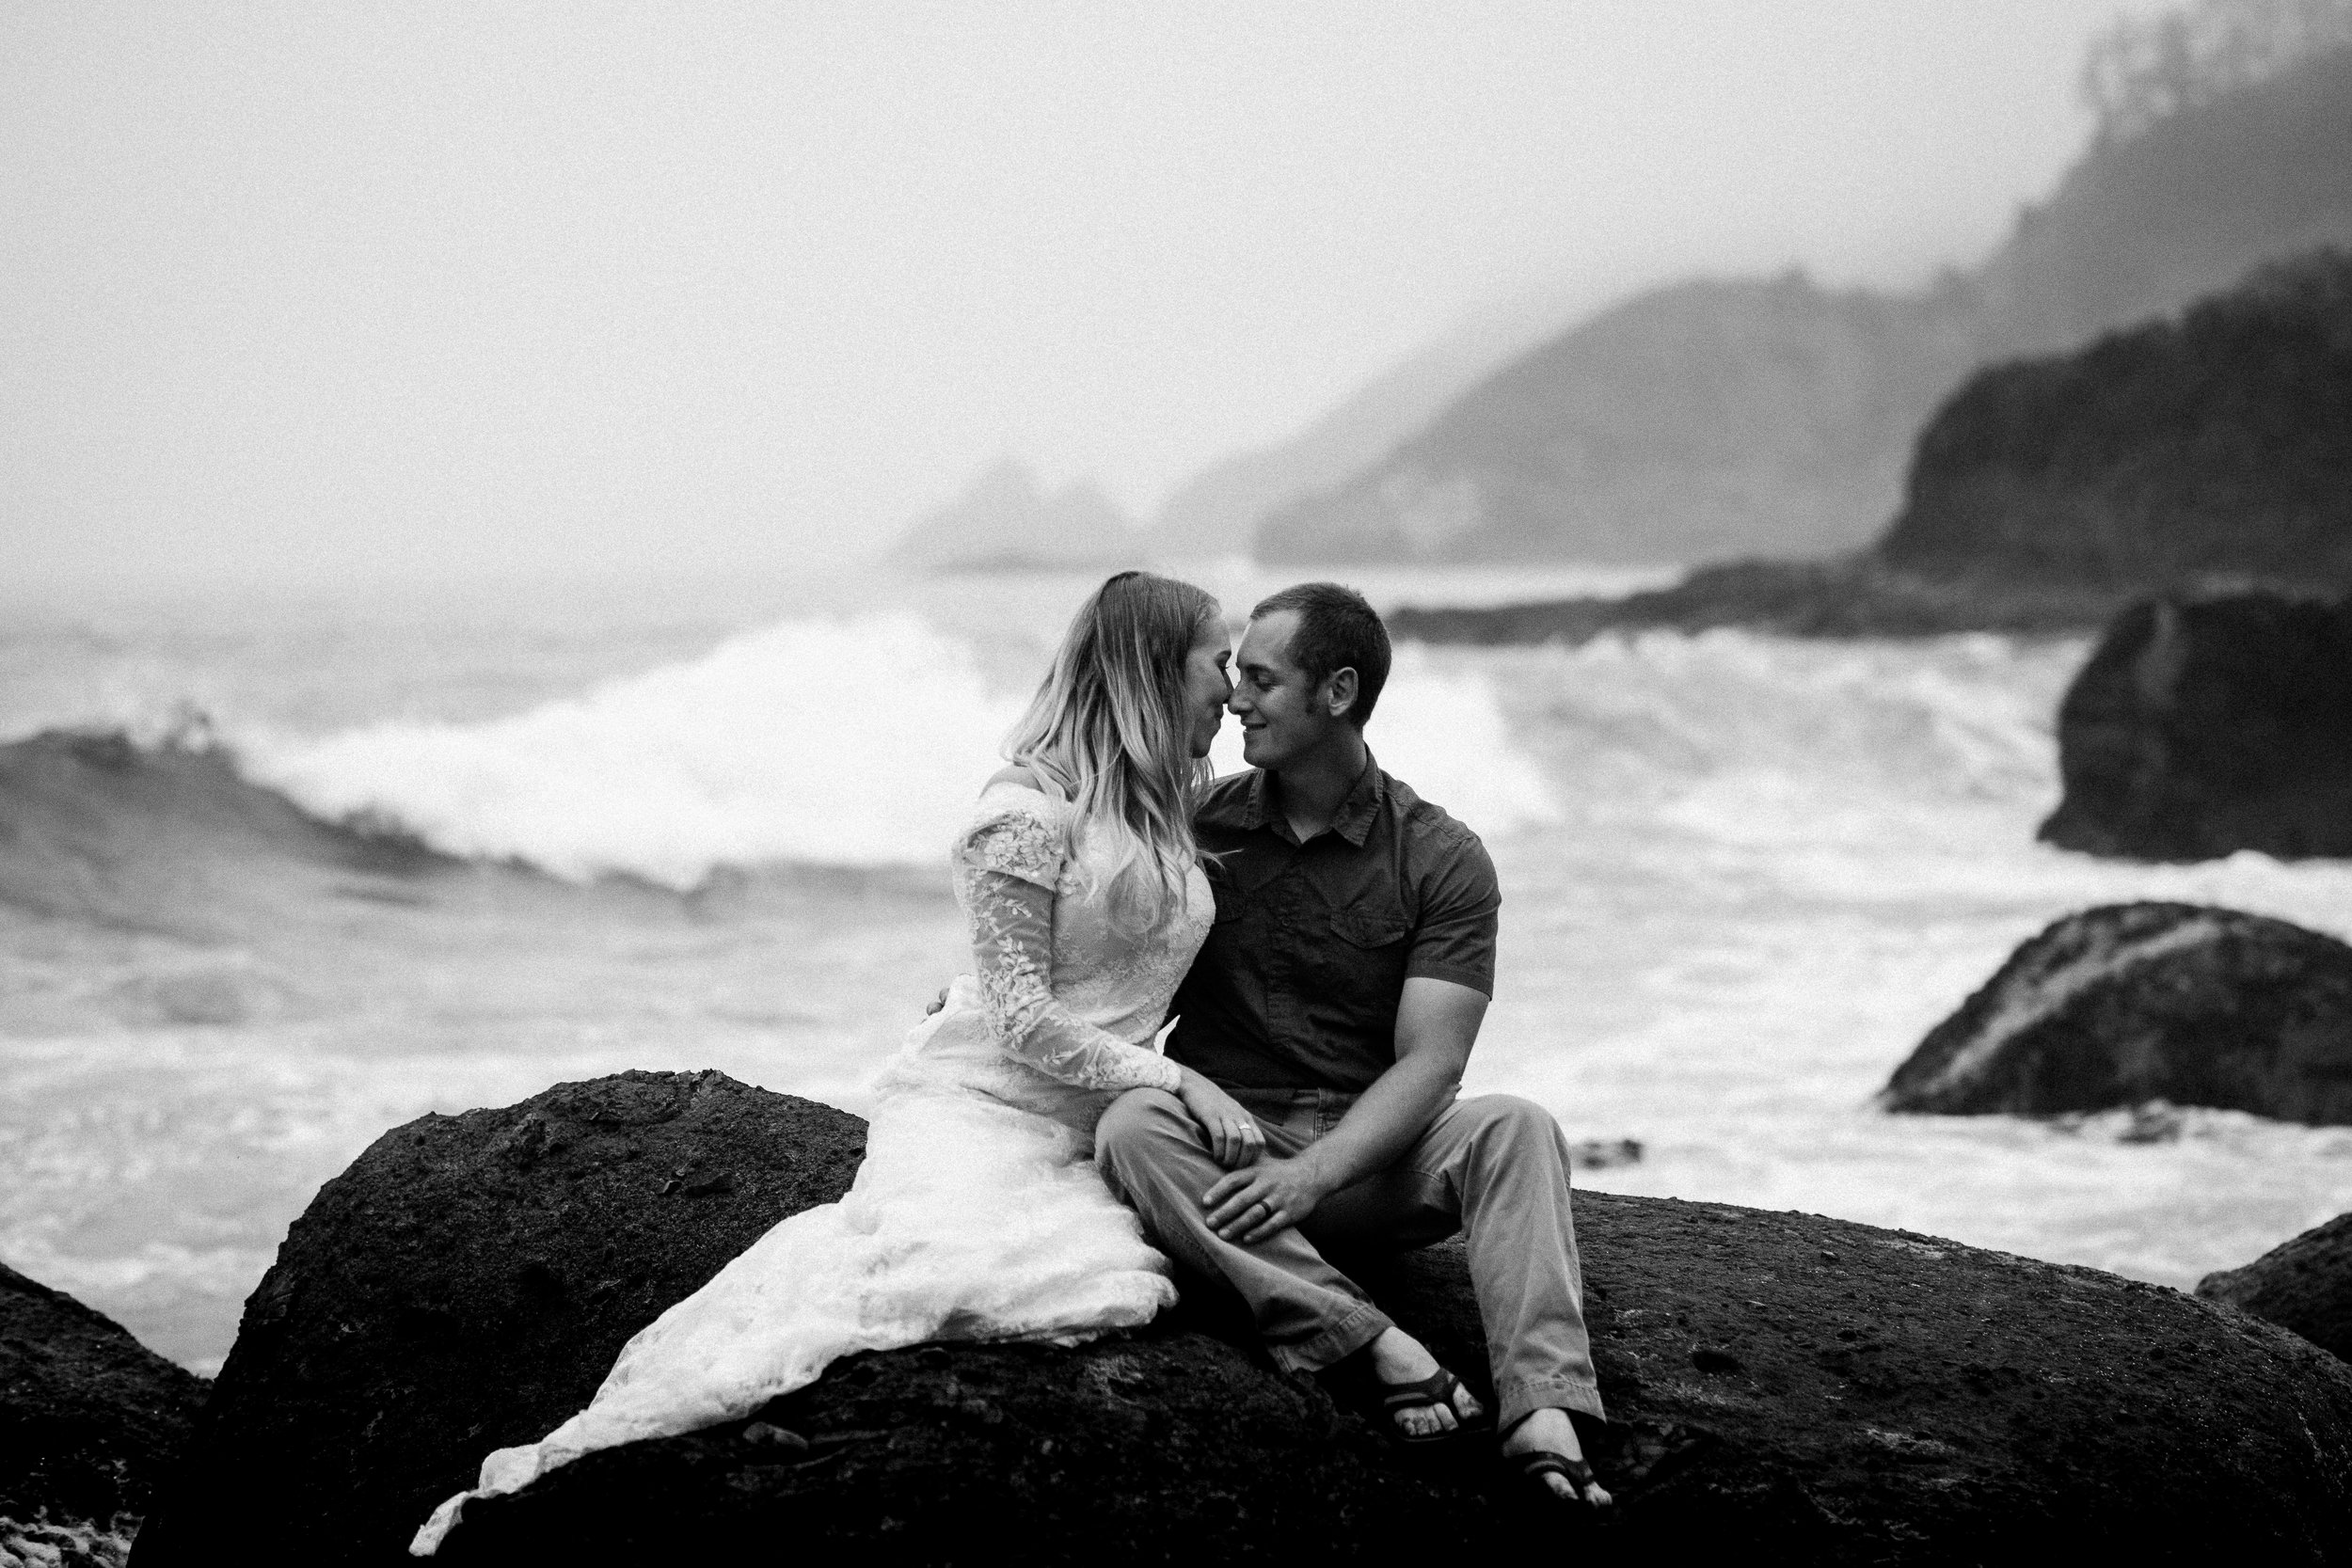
(1257, 1197)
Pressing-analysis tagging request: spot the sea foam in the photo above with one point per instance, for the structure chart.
(823, 741)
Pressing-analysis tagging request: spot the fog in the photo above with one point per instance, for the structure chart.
(331, 292)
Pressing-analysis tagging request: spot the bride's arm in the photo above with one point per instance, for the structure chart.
(1015, 862)
(1012, 956)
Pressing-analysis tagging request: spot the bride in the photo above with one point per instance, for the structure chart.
(978, 1213)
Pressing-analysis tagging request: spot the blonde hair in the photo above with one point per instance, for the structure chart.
(1109, 728)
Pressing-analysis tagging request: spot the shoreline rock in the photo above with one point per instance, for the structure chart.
(91, 1419)
(2303, 1284)
(1853, 597)
(2129, 1003)
(1809, 1389)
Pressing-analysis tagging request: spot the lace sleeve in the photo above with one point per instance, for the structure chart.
(1012, 954)
(1017, 839)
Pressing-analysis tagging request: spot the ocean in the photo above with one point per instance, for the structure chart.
(693, 825)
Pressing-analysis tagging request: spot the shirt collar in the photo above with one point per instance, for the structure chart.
(1363, 802)
(1352, 821)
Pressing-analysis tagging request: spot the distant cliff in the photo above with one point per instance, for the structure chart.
(1706, 418)
(2214, 446)
(1774, 419)
(1006, 521)
(1216, 512)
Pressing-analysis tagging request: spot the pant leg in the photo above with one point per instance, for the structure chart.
(1495, 1166)
(1155, 1157)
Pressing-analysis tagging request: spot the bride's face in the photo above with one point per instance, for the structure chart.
(1206, 684)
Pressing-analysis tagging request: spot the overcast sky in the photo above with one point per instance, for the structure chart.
(336, 289)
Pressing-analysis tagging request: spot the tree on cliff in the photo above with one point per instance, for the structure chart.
(2147, 68)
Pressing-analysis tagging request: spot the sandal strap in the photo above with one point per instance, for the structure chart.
(1438, 1389)
(1543, 1461)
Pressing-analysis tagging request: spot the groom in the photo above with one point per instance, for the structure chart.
(1335, 1003)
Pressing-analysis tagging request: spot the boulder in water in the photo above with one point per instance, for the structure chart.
(90, 1420)
(1808, 1389)
(2130, 1003)
(2203, 728)
(2304, 1283)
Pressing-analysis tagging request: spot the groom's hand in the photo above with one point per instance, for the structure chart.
(1246, 1206)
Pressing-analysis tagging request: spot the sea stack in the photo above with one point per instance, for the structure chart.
(2203, 727)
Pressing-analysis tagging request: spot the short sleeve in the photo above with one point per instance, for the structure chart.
(1461, 900)
(1016, 835)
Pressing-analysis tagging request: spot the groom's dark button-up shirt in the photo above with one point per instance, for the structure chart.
(1297, 985)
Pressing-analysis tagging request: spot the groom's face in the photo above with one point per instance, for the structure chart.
(1284, 714)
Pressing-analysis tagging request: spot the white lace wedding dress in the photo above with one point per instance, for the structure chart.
(978, 1213)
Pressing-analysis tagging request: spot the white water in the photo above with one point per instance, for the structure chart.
(850, 741)
(1743, 877)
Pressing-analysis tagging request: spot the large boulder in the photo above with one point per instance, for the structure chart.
(2203, 728)
(465, 1285)
(1808, 1389)
(2130, 1003)
(2304, 1283)
(90, 1420)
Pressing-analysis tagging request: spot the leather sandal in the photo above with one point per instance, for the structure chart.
(1432, 1392)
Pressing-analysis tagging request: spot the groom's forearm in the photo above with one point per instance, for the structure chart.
(1397, 1109)
(1437, 1024)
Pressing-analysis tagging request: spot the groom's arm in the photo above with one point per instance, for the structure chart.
(1437, 1024)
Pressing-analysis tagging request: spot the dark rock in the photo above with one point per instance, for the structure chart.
(466, 1285)
(775, 1436)
(89, 1421)
(2131, 1002)
(2304, 1284)
(1986, 1406)
(2203, 728)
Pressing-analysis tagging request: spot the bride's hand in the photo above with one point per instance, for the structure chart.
(1234, 1138)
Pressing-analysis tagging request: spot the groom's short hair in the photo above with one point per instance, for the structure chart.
(1338, 629)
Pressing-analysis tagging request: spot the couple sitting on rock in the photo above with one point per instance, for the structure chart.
(1327, 940)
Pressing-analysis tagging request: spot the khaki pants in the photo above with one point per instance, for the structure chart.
(1495, 1166)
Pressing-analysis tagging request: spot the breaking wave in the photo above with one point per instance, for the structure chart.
(834, 742)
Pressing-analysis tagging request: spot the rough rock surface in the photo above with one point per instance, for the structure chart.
(2304, 1283)
(89, 1420)
(2199, 729)
(1809, 1389)
(2129, 1003)
(466, 1284)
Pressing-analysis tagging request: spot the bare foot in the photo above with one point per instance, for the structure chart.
(1398, 1357)
(1553, 1433)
